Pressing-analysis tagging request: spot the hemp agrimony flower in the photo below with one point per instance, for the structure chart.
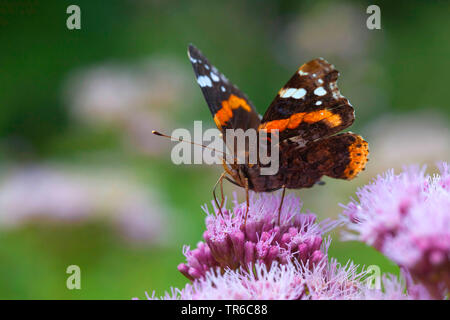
(229, 243)
(406, 216)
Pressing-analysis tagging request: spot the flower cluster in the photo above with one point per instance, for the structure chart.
(406, 216)
(248, 254)
(231, 243)
(292, 281)
(277, 282)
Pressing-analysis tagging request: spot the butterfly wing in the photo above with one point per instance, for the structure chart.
(230, 108)
(341, 156)
(310, 105)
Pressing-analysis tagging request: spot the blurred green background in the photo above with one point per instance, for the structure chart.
(78, 106)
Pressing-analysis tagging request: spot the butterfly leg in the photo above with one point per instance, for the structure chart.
(245, 181)
(281, 204)
(221, 188)
(246, 200)
(233, 182)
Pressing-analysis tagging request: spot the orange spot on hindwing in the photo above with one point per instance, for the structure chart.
(358, 152)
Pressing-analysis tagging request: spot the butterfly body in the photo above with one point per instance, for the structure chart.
(306, 115)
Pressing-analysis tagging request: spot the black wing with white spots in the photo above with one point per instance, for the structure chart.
(309, 106)
(230, 108)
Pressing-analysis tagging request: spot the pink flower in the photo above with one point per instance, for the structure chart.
(407, 218)
(231, 244)
(328, 280)
(293, 281)
(396, 289)
(278, 282)
(260, 259)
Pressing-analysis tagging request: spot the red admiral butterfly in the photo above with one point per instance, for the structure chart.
(308, 112)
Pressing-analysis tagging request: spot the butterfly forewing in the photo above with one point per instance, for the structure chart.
(230, 108)
(309, 106)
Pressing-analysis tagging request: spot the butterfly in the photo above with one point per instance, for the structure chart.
(308, 113)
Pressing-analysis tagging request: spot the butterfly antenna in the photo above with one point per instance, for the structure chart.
(187, 141)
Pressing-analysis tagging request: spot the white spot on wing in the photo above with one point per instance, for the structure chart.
(335, 91)
(207, 67)
(320, 81)
(292, 93)
(318, 103)
(286, 93)
(336, 95)
(302, 73)
(214, 77)
(192, 59)
(320, 91)
(222, 88)
(300, 93)
(204, 81)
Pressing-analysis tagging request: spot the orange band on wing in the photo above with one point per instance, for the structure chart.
(226, 112)
(296, 119)
(359, 151)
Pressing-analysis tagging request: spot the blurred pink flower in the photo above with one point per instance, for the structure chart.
(394, 288)
(231, 244)
(133, 98)
(407, 218)
(66, 194)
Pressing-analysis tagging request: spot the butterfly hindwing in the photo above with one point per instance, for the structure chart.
(230, 108)
(310, 105)
(341, 156)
